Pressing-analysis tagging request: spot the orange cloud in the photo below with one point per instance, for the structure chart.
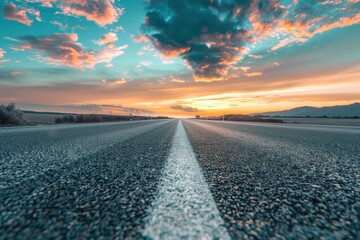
(301, 31)
(253, 74)
(102, 12)
(176, 80)
(141, 38)
(108, 39)
(64, 49)
(245, 69)
(2, 52)
(343, 22)
(11, 12)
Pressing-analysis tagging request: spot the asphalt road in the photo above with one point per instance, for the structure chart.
(171, 179)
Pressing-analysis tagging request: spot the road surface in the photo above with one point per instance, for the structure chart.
(172, 179)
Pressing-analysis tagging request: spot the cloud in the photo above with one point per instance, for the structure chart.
(108, 54)
(102, 12)
(343, 22)
(119, 28)
(208, 35)
(177, 80)
(141, 38)
(115, 82)
(244, 68)
(10, 74)
(108, 39)
(142, 64)
(62, 26)
(58, 49)
(2, 53)
(3, 60)
(253, 74)
(11, 39)
(11, 12)
(256, 56)
(44, 3)
(16, 73)
(184, 108)
(213, 36)
(64, 49)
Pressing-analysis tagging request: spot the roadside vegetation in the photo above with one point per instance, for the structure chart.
(78, 118)
(10, 115)
(244, 118)
(91, 118)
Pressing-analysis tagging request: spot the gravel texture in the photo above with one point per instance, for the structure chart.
(104, 193)
(281, 181)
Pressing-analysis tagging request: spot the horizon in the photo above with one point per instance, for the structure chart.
(206, 58)
(62, 110)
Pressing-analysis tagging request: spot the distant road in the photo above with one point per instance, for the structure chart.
(170, 179)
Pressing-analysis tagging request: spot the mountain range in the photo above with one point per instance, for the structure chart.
(351, 110)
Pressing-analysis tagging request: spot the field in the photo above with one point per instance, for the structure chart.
(43, 118)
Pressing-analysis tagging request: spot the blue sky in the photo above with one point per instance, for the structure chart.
(88, 32)
(154, 56)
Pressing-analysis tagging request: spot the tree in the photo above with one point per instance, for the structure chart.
(10, 115)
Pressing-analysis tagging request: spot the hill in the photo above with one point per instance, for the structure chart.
(352, 110)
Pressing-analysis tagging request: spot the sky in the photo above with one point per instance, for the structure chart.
(179, 57)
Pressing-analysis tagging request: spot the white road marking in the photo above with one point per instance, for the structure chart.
(184, 207)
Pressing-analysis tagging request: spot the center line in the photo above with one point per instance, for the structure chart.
(184, 207)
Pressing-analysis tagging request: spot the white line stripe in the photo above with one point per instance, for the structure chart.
(184, 207)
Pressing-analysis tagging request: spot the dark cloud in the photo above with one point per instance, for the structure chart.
(210, 35)
(184, 108)
(213, 36)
